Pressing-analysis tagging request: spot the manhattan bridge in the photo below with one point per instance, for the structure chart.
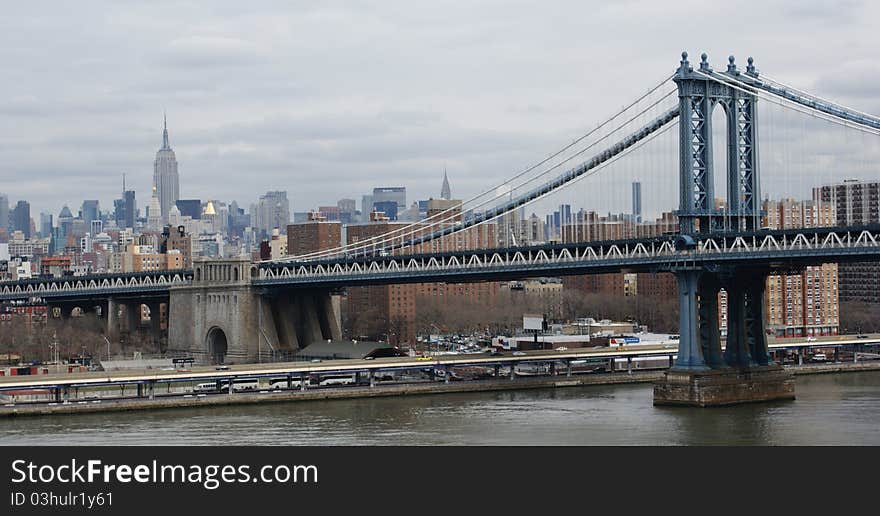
(228, 306)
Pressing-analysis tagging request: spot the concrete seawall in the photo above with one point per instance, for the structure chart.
(543, 382)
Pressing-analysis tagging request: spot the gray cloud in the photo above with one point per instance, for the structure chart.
(328, 101)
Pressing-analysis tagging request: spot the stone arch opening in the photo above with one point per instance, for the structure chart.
(199, 274)
(217, 345)
(235, 274)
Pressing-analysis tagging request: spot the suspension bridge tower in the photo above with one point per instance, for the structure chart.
(742, 371)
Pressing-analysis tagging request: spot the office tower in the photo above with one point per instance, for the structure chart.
(45, 224)
(389, 208)
(4, 212)
(391, 193)
(154, 212)
(191, 208)
(65, 224)
(21, 218)
(271, 211)
(166, 182)
(90, 211)
(637, 201)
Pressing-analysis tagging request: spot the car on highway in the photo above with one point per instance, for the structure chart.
(518, 354)
(861, 336)
(562, 348)
(811, 339)
(425, 358)
(819, 357)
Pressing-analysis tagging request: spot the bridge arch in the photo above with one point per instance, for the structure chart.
(217, 345)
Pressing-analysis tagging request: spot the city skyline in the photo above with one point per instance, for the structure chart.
(279, 119)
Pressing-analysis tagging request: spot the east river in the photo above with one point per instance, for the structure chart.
(831, 409)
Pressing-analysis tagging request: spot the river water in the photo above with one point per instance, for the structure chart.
(831, 409)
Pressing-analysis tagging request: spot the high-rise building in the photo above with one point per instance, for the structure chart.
(389, 208)
(854, 203)
(154, 212)
(165, 179)
(445, 192)
(390, 193)
(65, 225)
(130, 212)
(272, 211)
(637, 201)
(191, 208)
(90, 211)
(804, 303)
(4, 212)
(45, 224)
(21, 218)
(125, 208)
(347, 210)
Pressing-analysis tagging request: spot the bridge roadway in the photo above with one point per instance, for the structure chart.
(297, 369)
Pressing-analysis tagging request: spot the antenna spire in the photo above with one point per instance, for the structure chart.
(165, 145)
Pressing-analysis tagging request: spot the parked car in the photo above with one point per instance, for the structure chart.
(819, 357)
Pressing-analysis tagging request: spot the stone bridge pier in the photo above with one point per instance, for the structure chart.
(738, 369)
(222, 317)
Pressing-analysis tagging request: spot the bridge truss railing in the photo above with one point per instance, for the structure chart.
(778, 246)
(94, 283)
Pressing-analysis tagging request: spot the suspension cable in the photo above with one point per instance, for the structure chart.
(456, 209)
(787, 103)
(670, 122)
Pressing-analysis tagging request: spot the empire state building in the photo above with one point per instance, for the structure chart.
(165, 179)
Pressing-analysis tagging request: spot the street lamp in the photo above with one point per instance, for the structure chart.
(108, 346)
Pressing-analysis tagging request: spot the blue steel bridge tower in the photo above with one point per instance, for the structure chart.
(702, 368)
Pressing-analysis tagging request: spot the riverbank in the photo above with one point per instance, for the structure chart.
(542, 382)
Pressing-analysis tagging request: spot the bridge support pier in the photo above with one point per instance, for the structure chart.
(132, 317)
(111, 314)
(703, 376)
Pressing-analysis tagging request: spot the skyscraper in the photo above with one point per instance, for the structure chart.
(391, 193)
(637, 201)
(45, 224)
(4, 212)
(21, 218)
(90, 211)
(65, 224)
(154, 212)
(130, 208)
(272, 211)
(165, 179)
(445, 192)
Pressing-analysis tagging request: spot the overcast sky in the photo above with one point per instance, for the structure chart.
(328, 99)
